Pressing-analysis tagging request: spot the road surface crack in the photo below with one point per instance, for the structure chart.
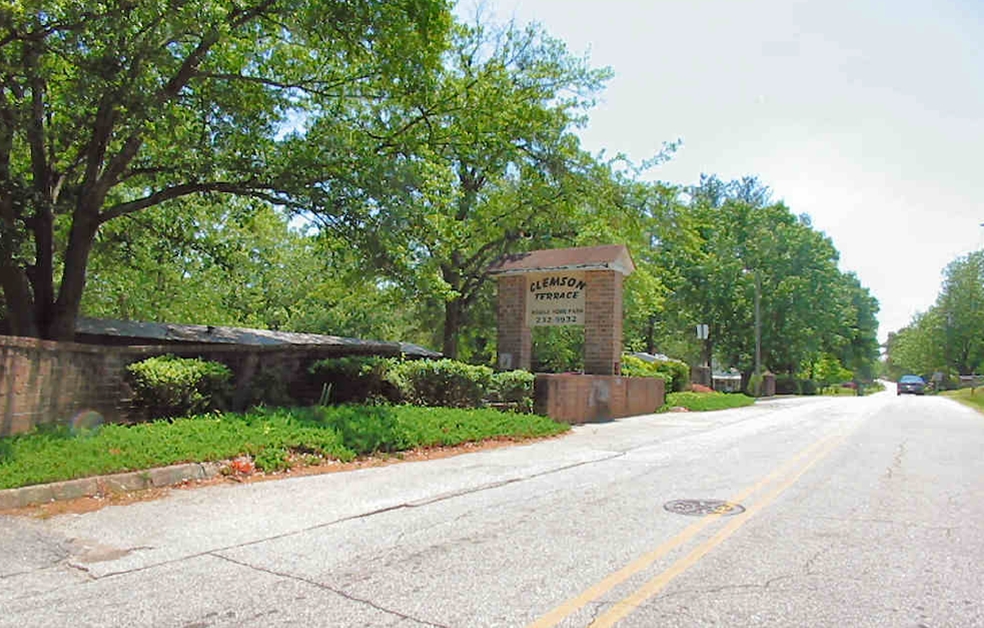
(325, 587)
(720, 589)
(372, 513)
(896, 462)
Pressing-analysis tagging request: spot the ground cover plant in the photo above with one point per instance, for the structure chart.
(273, 438)
(703, 402)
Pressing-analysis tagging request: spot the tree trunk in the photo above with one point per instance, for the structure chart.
(651, 335)
(61, 320)
(17, 299)
(452, 321)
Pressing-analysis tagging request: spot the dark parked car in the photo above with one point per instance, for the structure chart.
(911, 384)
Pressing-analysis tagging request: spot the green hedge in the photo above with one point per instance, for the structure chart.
(676, 374)
(169, 386)
(433, 383)
(445, 383)
(513, 389)
(356, 379)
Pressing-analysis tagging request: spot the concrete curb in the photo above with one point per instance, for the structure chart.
(117, 483)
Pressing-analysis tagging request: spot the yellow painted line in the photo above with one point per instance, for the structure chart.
(622, 609)
(574, 604)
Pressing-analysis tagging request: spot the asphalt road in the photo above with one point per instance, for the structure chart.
(857, 512)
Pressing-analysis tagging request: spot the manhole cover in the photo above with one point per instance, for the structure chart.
(701, 507)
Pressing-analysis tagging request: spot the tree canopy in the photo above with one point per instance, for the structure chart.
(114, 107)
(948, 337)
(353, 168)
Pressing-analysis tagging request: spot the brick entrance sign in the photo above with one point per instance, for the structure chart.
(579, 286)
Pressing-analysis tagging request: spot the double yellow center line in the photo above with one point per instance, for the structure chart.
(786, 474)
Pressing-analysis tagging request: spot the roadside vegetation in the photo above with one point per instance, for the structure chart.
(706, 401)
(973, 397)
(946, 339)
(270, 440)
(431, 144)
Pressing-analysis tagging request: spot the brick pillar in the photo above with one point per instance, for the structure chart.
(603, 322)
(515, 342)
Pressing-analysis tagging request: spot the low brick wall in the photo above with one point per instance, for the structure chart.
(44, 382)
(576, 399)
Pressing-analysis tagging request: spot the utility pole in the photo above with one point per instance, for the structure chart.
(758, 324)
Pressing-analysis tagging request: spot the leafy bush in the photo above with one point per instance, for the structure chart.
(356, 379)
(425, 382)
(808, 387)
(441, 383)
(169, 386)
(788, 385)
(674, 373)
(514, 388)
(636, 367)
(268, 387)
(558, 349)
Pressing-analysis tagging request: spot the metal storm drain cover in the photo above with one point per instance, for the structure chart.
(701, 507)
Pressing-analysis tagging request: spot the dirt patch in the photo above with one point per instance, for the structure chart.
(92, 503)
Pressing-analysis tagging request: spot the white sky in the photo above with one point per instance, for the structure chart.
(867, 115)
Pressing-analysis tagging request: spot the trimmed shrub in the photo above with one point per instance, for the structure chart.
(168, 386)
(441, 383)
(356, 379)
(421, 382)
(514, 388)
(511, 386)
(787, 385)
(808, 387)
(269, 388)
(674, 373)
(636, 367)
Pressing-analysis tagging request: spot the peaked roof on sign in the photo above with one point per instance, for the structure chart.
(608, 257)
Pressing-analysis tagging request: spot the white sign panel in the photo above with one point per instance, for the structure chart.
(555, 298)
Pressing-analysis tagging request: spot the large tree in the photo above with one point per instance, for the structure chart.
(731, 245)
(949, 337)
(109, 108)
(495, 167)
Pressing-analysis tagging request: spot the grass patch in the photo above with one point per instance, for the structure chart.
(704, 402)
(964, 396)
(273, 437)
(839, 391)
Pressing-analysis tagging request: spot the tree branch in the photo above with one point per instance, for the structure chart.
(305, 85)
(252, 189)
